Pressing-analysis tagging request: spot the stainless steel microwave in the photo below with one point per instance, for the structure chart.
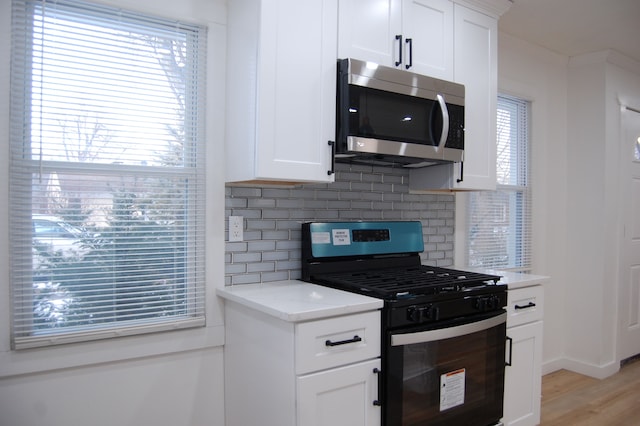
(388, 116)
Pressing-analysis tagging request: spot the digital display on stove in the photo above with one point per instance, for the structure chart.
(370, 235)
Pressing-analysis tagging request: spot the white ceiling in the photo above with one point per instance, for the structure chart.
(573, 27)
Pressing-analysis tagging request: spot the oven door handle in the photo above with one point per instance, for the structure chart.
(447, 333)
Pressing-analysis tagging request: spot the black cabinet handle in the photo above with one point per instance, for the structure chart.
(461, 172)
(399, 38)
(332, 144)
(378, 402)
(508, 363)
(527, 306)
(355, 339)
(409, 41)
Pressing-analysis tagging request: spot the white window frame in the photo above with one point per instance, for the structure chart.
(21, 239)
(489, 241)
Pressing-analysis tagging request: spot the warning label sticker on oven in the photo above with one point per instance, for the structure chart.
(341, 237)
(452, 389)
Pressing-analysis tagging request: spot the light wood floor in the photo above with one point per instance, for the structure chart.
(572, 399)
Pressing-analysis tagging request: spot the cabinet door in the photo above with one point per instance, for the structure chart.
(427, 26)
(523, 379)
(296, 80)
(340, 397)
(475, 66)
(367, 30)
(281, 83)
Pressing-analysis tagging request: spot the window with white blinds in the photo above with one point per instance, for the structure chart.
(499, 222)
(106, 173)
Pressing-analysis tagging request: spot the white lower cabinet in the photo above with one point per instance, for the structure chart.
(523, 378)
(320, 372)
(341, 396)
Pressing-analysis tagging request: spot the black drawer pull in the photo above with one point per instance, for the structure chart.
(378, 402)
(527, 306)
(332, 144)
(399, 38)
(355, 339)
(409, 41)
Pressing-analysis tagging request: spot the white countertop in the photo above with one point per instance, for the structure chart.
(295, 301)
(512, 279)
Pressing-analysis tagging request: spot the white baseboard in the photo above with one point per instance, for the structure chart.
(551, 366)
(595, 371)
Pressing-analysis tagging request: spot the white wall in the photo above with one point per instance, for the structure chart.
(179, 389)
(598, 84)
(587, 231)
(173, 378)
(539, 75)
(575, 141)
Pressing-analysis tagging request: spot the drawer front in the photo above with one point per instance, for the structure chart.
(524, 305)
(337, 341)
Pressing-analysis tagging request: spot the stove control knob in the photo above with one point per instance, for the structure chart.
(421, 314)
(487, 303)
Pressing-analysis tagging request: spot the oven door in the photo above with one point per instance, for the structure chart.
(451, 373)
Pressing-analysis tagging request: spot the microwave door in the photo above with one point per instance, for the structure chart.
(397, 117)
(395, 124)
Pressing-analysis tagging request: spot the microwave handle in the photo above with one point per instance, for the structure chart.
(445, 121)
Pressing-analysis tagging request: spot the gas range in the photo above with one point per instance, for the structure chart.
(412, 282)
(438, 325)
(382, 260)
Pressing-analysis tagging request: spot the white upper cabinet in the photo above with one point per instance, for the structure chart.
(415, 35)
(475, 66)
(367, 30)
(428, 25)
(451, 40)
(281, 79)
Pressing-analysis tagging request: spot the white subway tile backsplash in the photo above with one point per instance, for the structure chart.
(275, 255)
(261, 246)
(273, 217)
(275, 235)
(261, 267)
(326, 215)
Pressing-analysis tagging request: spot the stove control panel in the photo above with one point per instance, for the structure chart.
(487, 303)
(443, 307)
(336, 239)
(370, 235)
(420, 314)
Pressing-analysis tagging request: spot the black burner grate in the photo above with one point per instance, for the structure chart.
(392, 283)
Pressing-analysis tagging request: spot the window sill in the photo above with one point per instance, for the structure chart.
(13, 363)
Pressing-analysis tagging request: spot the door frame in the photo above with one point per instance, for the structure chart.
(623, 264)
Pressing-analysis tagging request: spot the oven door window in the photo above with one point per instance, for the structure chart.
(433, 379)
